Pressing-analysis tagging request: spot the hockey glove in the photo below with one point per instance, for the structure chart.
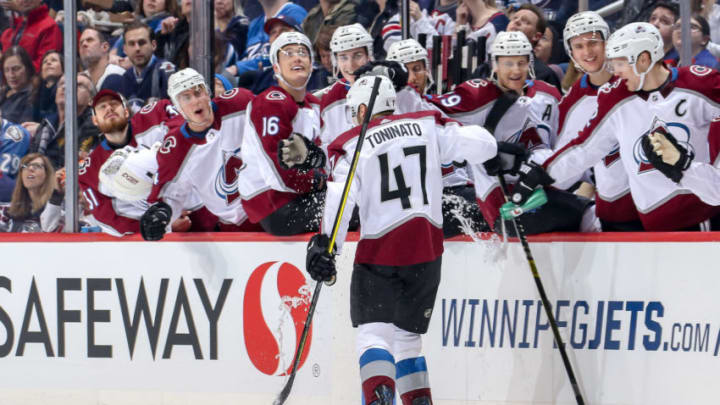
(509, 157)
(665, 154)
(301, 153)
(319, 263)
(155, 220)
(391, 69)
(532, 176)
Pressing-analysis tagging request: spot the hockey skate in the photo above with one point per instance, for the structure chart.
(385, 395)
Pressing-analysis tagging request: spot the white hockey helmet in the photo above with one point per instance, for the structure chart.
(349, 37)
(582, 23)
(129, 172)
(631, 41)
(290, 38)
(360, 93)
(182, 80)
(410, 50)
(511, 43)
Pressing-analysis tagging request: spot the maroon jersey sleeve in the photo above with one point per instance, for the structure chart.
(272, 116)
(467, 97)
(233, 101)
(170, 158)
(153, 114)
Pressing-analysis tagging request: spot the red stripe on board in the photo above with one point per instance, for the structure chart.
(354, 236)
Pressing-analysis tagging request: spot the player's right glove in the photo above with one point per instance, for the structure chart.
(510, 156)
(666, 154)
(532, 176)
(391, 69)
(319, 263)
(301, 153)
(155, 220)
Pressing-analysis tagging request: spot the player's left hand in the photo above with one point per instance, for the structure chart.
(319, 263)
(391, 69)
(665, 153)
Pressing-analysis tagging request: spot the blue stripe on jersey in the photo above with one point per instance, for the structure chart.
(371, 355)
(410, 366)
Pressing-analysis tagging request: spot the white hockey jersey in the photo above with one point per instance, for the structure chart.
(398, 184)
(335, 120)
(206, 165)
(273, 116)
(686, 103)
(613, 202)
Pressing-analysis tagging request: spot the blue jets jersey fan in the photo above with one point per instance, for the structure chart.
(14, 144)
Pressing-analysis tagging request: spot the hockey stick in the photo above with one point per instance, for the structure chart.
(336, 227)
(520, 232)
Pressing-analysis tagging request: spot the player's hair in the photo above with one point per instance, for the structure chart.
(137, 24)
(541, 21)
(21, 205)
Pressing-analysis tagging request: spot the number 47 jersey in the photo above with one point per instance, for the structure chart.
(398, 183)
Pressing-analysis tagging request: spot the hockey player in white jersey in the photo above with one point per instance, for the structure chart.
(646, 93)
(584, 37)
(398, 188)
(201, 157)
(502, 105)
(284, 199)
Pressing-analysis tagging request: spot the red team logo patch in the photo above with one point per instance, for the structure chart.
(169, 143)
(275, 95)
(230, 93)
(276, 303)
(700, 70)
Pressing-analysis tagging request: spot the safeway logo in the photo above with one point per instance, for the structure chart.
(275, 304)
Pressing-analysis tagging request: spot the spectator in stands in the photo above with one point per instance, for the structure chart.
(18, 85)
(328, 12)
(94, 50)
(530, 20)
(49, 135)
(699, 38)
(258, 81)
(152, 13)
(381, 32)
(257, 49)
(36, 199)
(322, 72)
(663, 17)
(148, 76)
(230, 21)
(173, 39)
(51, 70)
(35, 31)
(480, 18)
(550, 50)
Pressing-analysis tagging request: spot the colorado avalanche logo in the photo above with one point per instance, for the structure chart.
(680, 131)
(169, 143)
(226, 180)
(148, 108)
(700, 70)
(230, 93)
(84, 166)
(275, 95)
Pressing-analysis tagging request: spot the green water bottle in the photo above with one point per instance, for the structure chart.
(510, 210)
